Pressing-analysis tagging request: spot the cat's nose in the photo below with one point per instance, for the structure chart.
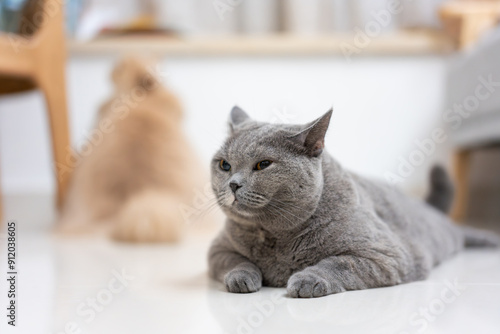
(234, 186)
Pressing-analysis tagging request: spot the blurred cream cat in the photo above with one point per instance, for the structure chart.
(133, 182)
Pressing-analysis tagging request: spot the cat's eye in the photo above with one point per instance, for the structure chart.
(224, 165)
(263, 165)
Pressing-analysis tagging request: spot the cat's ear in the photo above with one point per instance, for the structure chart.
(313, 135)
(237, 117)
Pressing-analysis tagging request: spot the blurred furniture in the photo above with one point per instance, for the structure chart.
(467, 20)
(474, 79)
(36, 58)
(404, 42)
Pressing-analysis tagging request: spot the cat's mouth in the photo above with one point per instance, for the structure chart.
(242, 206)
(239, 209)
(239, 205)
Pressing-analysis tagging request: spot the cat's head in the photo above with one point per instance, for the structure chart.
(138, 86)
(133, 73)
(270, 174)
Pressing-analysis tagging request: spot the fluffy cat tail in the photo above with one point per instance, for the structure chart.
(479, 238)
(442, 190)
(150, 216)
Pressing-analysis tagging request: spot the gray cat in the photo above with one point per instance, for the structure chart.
(296, 218)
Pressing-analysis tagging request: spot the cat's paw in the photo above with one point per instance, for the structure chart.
(307, 285)
(242, 281)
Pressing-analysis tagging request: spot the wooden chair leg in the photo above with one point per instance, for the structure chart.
(54, 89)
(462, 160)
(42, 58)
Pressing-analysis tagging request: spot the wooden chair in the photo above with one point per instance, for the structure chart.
(36, 58)
(466, 21)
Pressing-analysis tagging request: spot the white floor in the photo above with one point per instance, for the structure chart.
(71, 286)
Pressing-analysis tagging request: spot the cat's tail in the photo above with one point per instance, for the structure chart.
(479, 238)
(441, 190)
(150, 216)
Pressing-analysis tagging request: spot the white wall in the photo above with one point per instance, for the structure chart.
(381, 106)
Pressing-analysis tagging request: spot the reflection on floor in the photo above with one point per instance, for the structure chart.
(99, 286)
(103, 287)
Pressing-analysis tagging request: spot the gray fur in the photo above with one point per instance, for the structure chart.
(307, 224)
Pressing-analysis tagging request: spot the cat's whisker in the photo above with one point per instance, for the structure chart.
(276, 210)
(210, 205)
(252, 202)
(284, 210)
(288, 204)
(256, 196)
(284, 216)
(208, 211)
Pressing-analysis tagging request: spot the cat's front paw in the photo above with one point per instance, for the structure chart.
(307, 285)
(242, 281)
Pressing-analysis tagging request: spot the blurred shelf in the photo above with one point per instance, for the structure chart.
(398, 43)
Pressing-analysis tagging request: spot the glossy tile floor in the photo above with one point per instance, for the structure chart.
(98, 286)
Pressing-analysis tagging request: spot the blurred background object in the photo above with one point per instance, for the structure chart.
(260, 17)
(86, 19)
(466, 21)
(11, 15)
(421, 13)
(34, 56)
(261, 54)
(474, 81)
